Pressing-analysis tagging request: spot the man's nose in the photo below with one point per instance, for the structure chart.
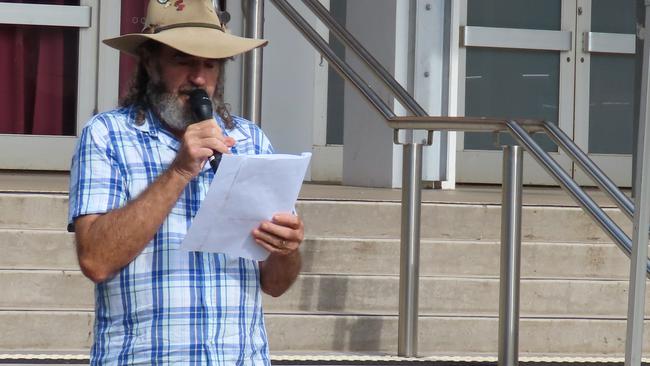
(198, 76)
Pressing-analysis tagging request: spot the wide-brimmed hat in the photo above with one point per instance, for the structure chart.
(190, 26)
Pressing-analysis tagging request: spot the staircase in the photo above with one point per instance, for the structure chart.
(573, 291)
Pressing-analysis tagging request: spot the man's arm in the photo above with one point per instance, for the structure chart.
(282, 237)
(108, 242)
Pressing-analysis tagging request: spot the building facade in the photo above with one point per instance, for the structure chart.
(573, 62)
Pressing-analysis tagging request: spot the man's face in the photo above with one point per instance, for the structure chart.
(173, 75)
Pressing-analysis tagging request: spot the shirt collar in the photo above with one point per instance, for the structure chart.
(150, 125)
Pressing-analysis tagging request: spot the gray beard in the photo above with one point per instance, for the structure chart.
(171, 110)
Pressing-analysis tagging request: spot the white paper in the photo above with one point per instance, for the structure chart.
(246, 190)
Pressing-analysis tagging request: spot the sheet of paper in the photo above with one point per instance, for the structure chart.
(246, 190)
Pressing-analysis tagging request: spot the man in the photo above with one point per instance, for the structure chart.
(138, 177)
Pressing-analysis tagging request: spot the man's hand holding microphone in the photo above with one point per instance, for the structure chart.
(203, 140)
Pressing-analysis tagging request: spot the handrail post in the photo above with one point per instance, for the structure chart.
(638, 259)
(510, 261)
(252, 88)
(410, 250)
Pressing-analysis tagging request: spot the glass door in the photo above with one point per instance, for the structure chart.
(606, 102)
(518, 63)
(48, 90)
(571, 62)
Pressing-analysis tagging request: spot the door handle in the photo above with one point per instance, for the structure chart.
(595, 42)
(531, 39)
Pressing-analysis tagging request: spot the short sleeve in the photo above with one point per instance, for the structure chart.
(96, 181)
(267, 148)
(250, 138)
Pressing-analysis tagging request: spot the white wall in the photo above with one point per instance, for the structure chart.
(407, 37)
(289, 87)
(369, 156)
(431, 83)
(294, 83)
(295, 90)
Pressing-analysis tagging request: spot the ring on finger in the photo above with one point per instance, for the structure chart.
(283, 244)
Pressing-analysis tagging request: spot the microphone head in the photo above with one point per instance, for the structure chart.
(200, 105)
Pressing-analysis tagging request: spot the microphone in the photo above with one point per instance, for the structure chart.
(201, 107)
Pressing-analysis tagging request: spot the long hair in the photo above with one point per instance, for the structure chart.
(137, 95)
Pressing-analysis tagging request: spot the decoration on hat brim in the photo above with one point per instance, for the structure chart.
(179, 5)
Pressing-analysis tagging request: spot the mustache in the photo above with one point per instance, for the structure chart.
(159, 88)
(187, 91)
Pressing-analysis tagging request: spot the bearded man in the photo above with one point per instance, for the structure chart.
(138, 177)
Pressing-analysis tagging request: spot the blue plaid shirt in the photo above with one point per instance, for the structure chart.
(166, 306)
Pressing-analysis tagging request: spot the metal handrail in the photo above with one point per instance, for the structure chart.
(520, 131)
(603, 220)
(466, 124)
(375, 66)
(334, 60)
(252, 65)
(590, 168)
(412, 167)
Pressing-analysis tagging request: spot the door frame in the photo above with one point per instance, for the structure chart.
(38, 152)
(484, 166)
(617, 166)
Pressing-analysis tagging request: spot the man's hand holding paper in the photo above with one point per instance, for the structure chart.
(281, 235)
(245, 212)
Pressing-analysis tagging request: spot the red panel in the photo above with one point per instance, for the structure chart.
(132, 21)
(38, 67)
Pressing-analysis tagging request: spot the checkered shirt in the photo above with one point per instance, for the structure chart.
(166, 307)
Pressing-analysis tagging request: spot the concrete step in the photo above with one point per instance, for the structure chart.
(337, 294)
(45, 290)
(37, 331)
(37, 249)
(449, 335)
(573, 295)
(364, 219)
(464, 258)
(33, 211)
(452, 296)
(452, 221)
(50, 249)
(71, 332)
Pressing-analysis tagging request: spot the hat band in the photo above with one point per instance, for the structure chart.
(184, 25)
